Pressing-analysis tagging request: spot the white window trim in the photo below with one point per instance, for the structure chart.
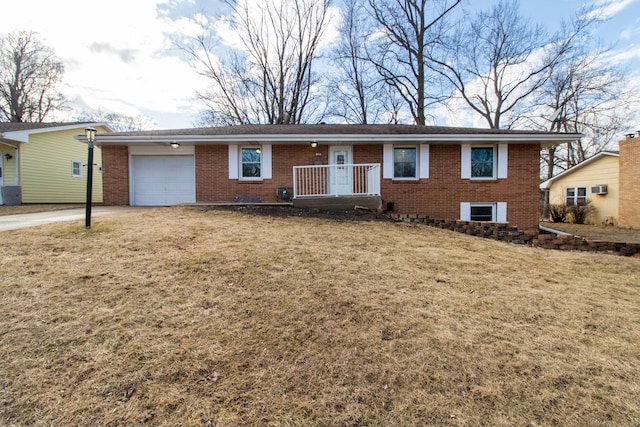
(80, 168)
(422, 162)
(235, 162)
(575, 195)
(499, 211)
(500, 164)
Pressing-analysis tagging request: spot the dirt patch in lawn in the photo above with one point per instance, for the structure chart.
(25, 209)
(185, 316)
(603, 232)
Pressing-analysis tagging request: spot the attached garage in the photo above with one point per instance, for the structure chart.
(159, 179)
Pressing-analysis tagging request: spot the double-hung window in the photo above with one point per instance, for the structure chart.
(250, 163)
(484, 162)
(576, 196)
(76, 169)
(405, 162)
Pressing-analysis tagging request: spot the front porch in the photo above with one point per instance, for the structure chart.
(337, 186)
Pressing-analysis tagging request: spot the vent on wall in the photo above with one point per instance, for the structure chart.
(599, 189)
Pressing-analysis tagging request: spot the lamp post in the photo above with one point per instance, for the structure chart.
(91, 138)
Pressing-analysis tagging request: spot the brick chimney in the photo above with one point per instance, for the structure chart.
(629, 201)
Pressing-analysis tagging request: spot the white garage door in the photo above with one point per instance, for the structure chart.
(163, 180)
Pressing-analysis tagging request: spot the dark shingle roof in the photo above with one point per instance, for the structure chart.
(328, 129)
(16, 127)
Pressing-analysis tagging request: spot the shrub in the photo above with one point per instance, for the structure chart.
(557, 213)
(579, 214)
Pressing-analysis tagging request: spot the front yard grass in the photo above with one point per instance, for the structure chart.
(181, 316)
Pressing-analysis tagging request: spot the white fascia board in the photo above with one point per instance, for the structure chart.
(547, 184)
(23, 135)
(337, 139)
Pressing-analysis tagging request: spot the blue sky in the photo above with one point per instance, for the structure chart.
(118, 57)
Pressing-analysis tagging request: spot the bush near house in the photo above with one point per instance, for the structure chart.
(558, 212)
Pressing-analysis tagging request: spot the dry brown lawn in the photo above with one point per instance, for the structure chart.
(25, 209)
(187, 317)
(598, 232)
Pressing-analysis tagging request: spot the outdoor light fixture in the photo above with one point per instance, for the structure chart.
(258, 150)
(91, 138)
(8, 156)
(314, 144)
(174, 144)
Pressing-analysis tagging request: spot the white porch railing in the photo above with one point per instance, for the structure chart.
(336, 180)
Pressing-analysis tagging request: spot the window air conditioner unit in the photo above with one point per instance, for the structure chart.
(599, 189)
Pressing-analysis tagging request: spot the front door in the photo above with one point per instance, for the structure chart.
(340, 177)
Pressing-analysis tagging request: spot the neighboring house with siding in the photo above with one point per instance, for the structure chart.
(448, 173)
(46, 163)
(610, 180)
(595, 180)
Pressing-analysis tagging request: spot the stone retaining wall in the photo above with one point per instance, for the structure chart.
(506, 233)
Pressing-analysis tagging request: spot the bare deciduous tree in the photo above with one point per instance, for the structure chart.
(586, 93)
(118, 122)
(30, 75)
(497, 60)
(269, 77)
(355, 89)
(409, 30)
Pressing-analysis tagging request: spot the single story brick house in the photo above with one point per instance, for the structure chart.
(442, 172)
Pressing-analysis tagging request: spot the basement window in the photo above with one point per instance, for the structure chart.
(483, 212)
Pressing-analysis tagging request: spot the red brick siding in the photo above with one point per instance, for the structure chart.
(115, 175)
(629, 201)
(212, 172)
(440, 195)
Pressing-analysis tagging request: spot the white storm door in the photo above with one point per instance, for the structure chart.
(340, 177)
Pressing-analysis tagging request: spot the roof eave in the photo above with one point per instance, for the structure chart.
(547, 184)
(543, 139)
(23, 135)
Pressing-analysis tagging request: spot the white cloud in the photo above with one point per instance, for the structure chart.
(608, 8)
(115, 56)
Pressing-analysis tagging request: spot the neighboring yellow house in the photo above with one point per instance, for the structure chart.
(46, 163)
(595, 180)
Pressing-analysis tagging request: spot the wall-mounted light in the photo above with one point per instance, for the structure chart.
(258, 150)
(314, 144)
(8, 156)
(174, 145)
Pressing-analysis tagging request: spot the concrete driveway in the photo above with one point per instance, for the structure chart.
(14, 222)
